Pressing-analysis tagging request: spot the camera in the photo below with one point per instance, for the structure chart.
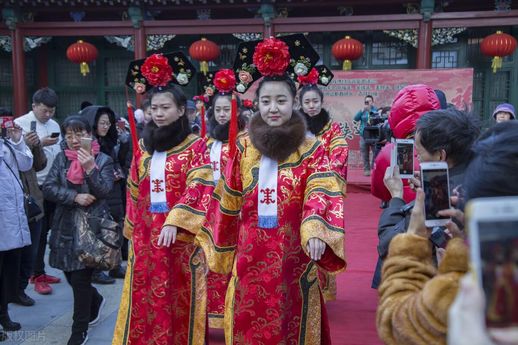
(377, 127)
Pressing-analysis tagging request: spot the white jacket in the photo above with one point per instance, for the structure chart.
(14, 229)
(43, 130)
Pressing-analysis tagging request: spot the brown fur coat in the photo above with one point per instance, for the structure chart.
(415, 296)
(278, 142)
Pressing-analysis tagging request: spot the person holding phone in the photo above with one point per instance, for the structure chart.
(14, 232)
(80, 178)
(44, 103)
(441, 136)
(30, 182)
(363, 116)
(426, 293)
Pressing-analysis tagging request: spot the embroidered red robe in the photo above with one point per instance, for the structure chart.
(164, 295)
(217, 283)
(273, 296)
(333, 139)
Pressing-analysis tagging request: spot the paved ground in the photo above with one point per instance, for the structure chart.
(48, 322)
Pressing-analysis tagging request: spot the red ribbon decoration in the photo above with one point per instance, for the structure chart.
(132, 123)
(232, 132)
(203, 131)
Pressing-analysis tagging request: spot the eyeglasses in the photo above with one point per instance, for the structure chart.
(104, 124)
(76, 135)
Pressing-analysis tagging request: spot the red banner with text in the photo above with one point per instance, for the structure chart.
(344, 96)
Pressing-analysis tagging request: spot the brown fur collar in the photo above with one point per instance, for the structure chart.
(278, 142)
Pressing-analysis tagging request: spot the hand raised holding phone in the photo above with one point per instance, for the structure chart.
(393, 182)
(84, 155)
(49, 140)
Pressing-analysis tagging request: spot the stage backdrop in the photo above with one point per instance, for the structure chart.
(344, 96)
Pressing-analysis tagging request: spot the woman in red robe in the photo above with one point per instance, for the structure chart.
(332, 138)
(276, 216)
(169, 187)
(219, 115)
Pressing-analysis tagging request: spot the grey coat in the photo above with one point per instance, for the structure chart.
(14, 229)
(58, 189)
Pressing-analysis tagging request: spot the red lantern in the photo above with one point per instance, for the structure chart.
(498, 45)
(204, 51)
(347, 49)
(82, 53)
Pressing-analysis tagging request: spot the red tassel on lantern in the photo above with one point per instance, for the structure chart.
(203, 131)
(232, 131)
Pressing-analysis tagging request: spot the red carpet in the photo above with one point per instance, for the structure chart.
(352, 316)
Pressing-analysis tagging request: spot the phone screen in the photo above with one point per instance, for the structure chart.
(437, 196)
(54, 135)
(405, 158)
(86, 144)
(33, 126)
(499, 262)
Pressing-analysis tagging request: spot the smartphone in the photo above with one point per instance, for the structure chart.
(436, 186)
(5, 123)
(54, 135)
(403, 156)
(33, 126)
(86, 144)
(492, 225)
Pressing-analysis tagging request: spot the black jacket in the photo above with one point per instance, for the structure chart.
(395, 219)
(117, 149)
(58, 189)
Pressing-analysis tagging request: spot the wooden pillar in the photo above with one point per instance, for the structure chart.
(424, 45)
(140, 43)
(18, 62)
(140, 52)
(267, 12)
(268, 30)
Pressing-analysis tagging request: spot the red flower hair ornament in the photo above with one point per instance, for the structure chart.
(203, 98)
(157, 70)
(271, 57)
(247, 103)
(309, 79)
(225, 80)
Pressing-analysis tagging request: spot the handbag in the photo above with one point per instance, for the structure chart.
(97, 240)
(32, 209)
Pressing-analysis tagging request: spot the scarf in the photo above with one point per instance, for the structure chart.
(157, 183)
(279, 142)
(215, 159)
(317, 123)
(76, 173)
(166, 137)
(267, 193)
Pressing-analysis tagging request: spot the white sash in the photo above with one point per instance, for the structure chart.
(267, 193)
(157, 183)
(215, 160)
